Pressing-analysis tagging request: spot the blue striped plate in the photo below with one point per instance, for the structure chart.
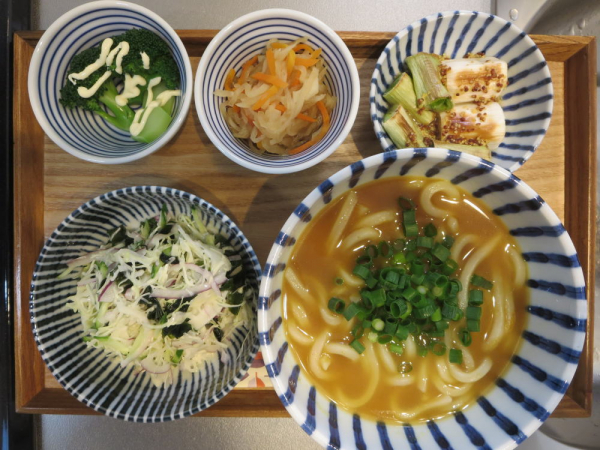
(83, 133)
(88, 374)
(248, 36)
(527, 101)
(538, 374)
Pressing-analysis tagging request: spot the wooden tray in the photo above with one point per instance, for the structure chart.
(49, 184)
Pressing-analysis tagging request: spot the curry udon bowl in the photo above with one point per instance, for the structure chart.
(536, 372)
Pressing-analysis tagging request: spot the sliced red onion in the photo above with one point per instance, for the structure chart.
(151, 367)
(190, 291)
(109, 284)
(129, 294)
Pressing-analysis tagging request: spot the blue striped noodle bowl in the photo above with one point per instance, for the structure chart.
(526, 101)
(538, 374)
(89, 374)
(248, 36)
(83, 133)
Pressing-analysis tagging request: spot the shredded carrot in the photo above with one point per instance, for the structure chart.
(301, 47)
(323, 111)
(271, 79)
(317, 53)
(278, 45)
(295, 78)
(290, 62)
(322, 132)
(236, 109)
(229, 80)
(306, 118)
(246, 68)
(271, 61)
(266, 96)
(307, 62)
(281, 108)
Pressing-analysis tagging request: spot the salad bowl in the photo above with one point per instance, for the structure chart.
(98, 380)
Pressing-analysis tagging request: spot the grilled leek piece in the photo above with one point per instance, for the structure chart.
(470, 80)
(473, 124)
(477, 150)
(401, 129)
(429, 89)
(402, 92)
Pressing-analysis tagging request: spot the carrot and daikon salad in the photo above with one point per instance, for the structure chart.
(278, 101)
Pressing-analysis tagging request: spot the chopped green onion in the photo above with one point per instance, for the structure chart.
(449, 267)
(473, 325)
(397, 349)
(361, 271)
(351, 311)
(399, 258)
(384, 338)
(356, 345)
(475, 297)
(437, 315)
(440, 252)
(411, 229)
(421, 350)
(406, 204)
(399, 244)
(358, 331)
(336, 305)
(424, 242)
(476, 280)
(378, 324)
(385, 249)
(371, 251)
(372, 336)
(455, 356)
(465, 337)
(438, 348)
(417, 279)
(398, 308)
(448, 242)
(371, 282)
(417, 268)
(473, 313)
(402, 333)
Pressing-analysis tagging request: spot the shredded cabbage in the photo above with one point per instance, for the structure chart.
(164, 296)
(280, 114)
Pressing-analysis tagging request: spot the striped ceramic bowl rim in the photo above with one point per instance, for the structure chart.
(247, 36)
(83, 133)
(537, 375)
(527, 101)
(88, 374)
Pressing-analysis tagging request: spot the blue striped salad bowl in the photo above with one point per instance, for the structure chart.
(82, 133)
(111, 383)
(526, 101)
(317, 307)
(238, 43)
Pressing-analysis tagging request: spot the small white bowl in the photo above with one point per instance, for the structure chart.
(248, 36)
(83, 133)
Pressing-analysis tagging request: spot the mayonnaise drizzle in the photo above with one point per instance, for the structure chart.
(130, 89)
(145, 60)
(88, 92)
(101, 61)
(122, 49)
(142, 115)
(153, 82)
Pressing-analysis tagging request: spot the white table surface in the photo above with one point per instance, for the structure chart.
(102, 433)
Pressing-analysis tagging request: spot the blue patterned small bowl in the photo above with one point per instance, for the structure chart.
(527, 100)
(247, 36)
(83, 133)
(88, 374)
(537, 375)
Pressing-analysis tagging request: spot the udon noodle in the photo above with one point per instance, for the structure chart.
(372, 382)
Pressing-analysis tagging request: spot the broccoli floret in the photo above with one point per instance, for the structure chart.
(103, 101)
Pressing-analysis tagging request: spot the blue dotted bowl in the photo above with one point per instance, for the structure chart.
(88, 374)
(248, 36)
(83, 133)
(538, 374)
(526, 101)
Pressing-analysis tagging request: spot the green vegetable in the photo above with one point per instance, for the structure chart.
(402, 92)
(401, 129)
(162, 64)
(429, 89)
